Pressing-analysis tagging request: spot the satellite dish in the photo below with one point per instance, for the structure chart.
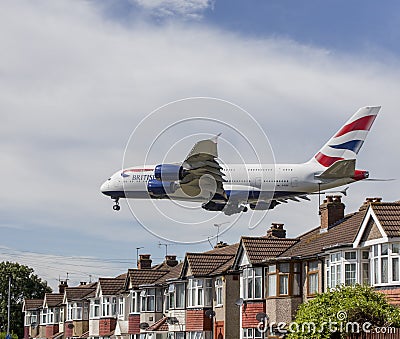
(70, 326)
(210, 314)
(172, 320)
(239, 302)
(261, 316)
(143, 326)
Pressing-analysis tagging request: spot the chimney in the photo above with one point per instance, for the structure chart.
(331, 211)
(276, 231)
(83, 283)
(171, 261)
(220, 244)
(63, 285)
(369, 201)
(144, 261)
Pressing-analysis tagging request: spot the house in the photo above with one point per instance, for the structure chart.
(51, 315)
(31, 309)
(277, 273)
(77, 301)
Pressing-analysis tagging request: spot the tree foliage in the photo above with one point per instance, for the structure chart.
(24, 284)
(344, 306)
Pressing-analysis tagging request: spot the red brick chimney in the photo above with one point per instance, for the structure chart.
(144, 261)
(171, 261)
(332, 210)
(63, 285)
(369, 201)
(276, 231)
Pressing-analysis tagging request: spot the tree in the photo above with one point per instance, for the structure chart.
(340, 312)
(24, 284)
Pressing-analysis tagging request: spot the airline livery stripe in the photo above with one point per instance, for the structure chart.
(362, 124)
(353, 145)
(325, 160)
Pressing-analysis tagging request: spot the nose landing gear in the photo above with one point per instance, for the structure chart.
(116, 207)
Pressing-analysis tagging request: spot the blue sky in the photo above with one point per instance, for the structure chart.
(77, 77)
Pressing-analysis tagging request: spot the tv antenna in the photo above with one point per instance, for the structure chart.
(166, 247)
(218, 226)
(137, 254)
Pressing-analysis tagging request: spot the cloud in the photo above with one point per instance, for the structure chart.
(192, 9)
(74, 84)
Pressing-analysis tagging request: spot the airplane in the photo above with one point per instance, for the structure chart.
(232, 188)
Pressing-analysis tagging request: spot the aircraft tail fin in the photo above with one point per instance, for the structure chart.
(346, 142)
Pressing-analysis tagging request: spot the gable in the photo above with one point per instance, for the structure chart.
(244, 260)
(371, 231)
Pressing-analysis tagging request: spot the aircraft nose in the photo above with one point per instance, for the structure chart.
(104, 187)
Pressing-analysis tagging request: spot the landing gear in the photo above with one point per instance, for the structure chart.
(116, 207)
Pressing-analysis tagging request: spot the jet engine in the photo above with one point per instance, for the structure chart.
(262, 205)
(161, 189)
(169, 172)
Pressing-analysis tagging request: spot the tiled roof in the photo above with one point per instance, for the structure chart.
(145, 276)
(159, 326)
(54, 299)
(259, 249)
(230, 249)
(203, 264)
(174, 273)
(342, 232)
(85, 335)
(111, 286)
(79, 292)
(388, 215)
(33, 304)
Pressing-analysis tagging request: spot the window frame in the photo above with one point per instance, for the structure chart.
(313, 273)
(292, 274)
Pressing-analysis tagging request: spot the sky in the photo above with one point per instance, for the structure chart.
(77, 77)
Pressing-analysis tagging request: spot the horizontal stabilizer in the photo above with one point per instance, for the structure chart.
(340, 169)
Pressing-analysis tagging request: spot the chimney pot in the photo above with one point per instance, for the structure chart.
(144, 261)
(276, 230)
(378, 199)
(62, 286)
(331, 211)
(171, 261)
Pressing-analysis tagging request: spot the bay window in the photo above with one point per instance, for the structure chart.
(43, 316)
(176, 296)
(199, 292)
(121, 307)
(386, 261)
(134, 298)
(109, 306)
(251, 333)
(252, 283)
(151, 300)
(283, 279)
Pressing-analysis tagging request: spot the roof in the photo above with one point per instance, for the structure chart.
(388, 215)
(54, 299)
(229, 249)
(112, 286)
(204, 264)
(342, 232)
(159, 326)
(79, 292)
(258, 249)
(145, 276)
(174, 273)
(33, 304)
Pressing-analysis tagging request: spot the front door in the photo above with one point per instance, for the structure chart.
(219, 330)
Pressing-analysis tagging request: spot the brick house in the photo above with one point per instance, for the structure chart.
(77, 301)
(31, 309)
(51, 315)
(103, 307)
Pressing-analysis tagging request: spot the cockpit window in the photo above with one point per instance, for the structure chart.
(109, 179)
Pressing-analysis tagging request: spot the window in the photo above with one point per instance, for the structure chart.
(312, 277)
(121, 307)
(218, 291)
(365, 273)
(252, 283)
(95, 308)
(200, 292)
(350, 278)
(350, 255)
(175, 296)
(283, 279)
(109, 306)
(43, 317)
(134, 306)
(251, 333)
(198, 335)
(335, 270)
(151, 300)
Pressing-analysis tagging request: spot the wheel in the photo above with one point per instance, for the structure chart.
(116, 207)
(245, 209)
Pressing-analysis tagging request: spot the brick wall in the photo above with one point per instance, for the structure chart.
(133, 324)
(393, 295)
(249, 312)
(68, 332)
(106, 326)
(51, 330)
(196, 320)
(26, 332)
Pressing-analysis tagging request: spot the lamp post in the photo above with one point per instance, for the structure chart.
(9, 308)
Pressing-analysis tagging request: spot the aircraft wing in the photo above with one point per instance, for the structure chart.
(340, 169)
(203, 172)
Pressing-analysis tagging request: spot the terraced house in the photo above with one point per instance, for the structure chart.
(226, 292)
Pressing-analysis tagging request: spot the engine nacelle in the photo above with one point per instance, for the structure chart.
(262, 205)
(168, 172)
(160, 189)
